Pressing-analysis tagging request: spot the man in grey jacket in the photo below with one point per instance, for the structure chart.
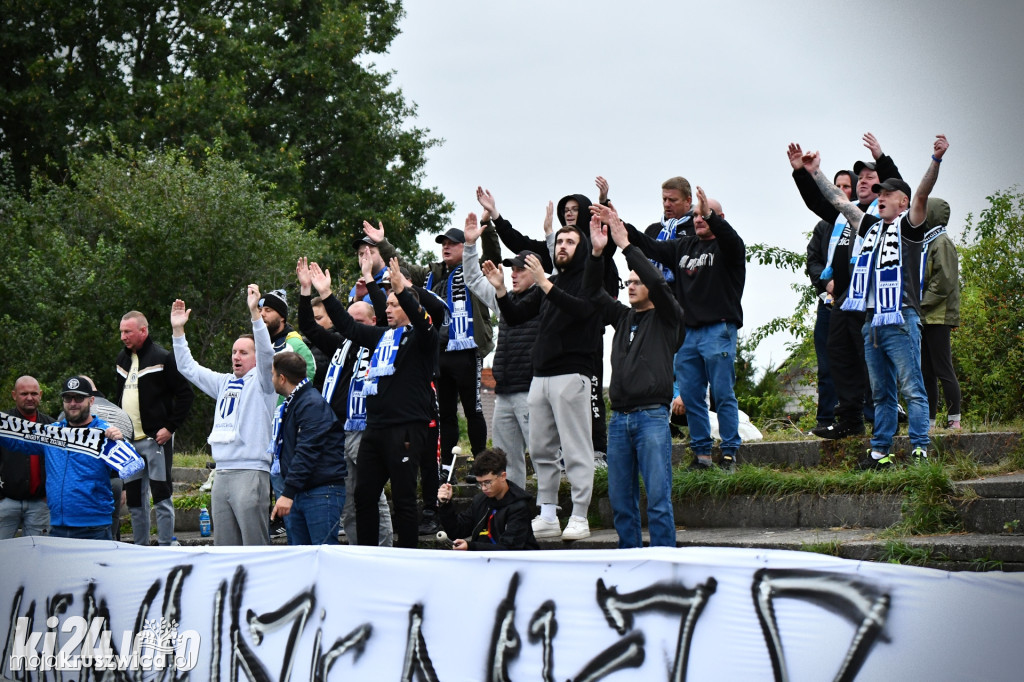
(241, 426)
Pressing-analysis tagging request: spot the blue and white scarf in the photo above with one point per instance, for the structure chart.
(356, 419)
(383, 361)
(378, 278)
(334, 371)
(882, 253)
(931, 236)
(276, 437)
(460, 327)
(225, 417)
(669, 231)
(837, 231)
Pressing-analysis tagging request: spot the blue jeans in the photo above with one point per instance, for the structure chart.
(893, 357)
(640, 443)
(827, 396)
(82, 532)
(708, 357)
(315, 518)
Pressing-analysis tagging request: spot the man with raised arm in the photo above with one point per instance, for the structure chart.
(399, 403)
(241, 425)
(885, 284)
(710, 273)
(513, 369)
(344, 381)
(844, 345)
(647, 334)
(560, 393)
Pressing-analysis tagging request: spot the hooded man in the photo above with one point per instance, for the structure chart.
(563, 364)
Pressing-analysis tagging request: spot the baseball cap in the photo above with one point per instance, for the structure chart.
(892, 184)
(76, 385)
(453, 234)
(519, 260)
(861, 165)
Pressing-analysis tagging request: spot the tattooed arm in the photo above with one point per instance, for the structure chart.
(834, 195)
(919, 204)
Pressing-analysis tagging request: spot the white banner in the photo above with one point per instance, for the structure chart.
(365, 613)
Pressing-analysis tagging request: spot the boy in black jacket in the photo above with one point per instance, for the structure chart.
(647, 334)
(499, 516)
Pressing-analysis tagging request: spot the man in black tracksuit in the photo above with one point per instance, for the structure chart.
(647, 334)
(399, 406)
(158, 399)
(845, 345)
(498, 517)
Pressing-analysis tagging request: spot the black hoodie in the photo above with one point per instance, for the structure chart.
(570, 329)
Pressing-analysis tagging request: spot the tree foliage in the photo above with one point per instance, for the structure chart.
(135, 230)
(988, 348)
(287, 86)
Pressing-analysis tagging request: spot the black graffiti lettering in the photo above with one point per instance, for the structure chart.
(858, 602)
(353, 641)
(618, 610)
(417, 658)
(242, 656)
(505, 642)
(5, 663)
(543, 628)
(628, 652)
(217, 629)
(297, 609)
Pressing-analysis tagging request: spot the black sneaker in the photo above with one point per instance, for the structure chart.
(839, 430)
(697, 465)
(886, 462)
(728, 462)
(429, 525)
(277, 529)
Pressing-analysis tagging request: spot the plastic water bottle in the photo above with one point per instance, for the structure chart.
(204, 522)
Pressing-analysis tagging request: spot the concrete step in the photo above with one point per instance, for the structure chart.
(994, 504)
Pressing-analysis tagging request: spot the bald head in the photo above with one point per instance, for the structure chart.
(26, 395)
(362, 312)
(700, 226)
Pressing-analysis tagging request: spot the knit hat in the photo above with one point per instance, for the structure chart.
(276, 300)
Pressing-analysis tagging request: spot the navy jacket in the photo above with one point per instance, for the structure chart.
(312, 443)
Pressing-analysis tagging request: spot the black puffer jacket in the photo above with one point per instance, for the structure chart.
(508, 529)
(513, 366)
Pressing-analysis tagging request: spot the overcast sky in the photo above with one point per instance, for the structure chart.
(534, 99)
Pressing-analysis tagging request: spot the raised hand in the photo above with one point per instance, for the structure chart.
(252, 299)
(940, 147)
(321, 279)
(871, 142)
(366, 264)
(179, 315)
(602, 189)
(495, 275)
(472, 229)
(397, 279)
(536, 269)
(795, 156)
(374, 233)
(811, 161)
(618, 231)
(598, 234)
(548, 217)
(302, 273)
(486, 200)
(702, 202)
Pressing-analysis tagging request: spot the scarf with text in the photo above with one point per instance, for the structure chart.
(334, 371)
(383, 361)
(460, 326)
(881, 253)
(837, 231)
(356, 412)
(931, 236)
(117, 454)
(276, 437)
(225, 417)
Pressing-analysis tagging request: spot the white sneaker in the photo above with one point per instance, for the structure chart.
(545, 529)
(578, 528)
